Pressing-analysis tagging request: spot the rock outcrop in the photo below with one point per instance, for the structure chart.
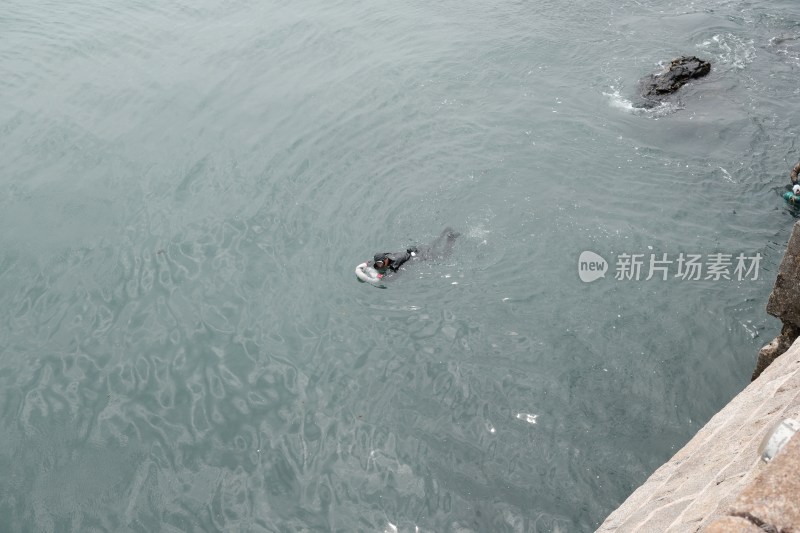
(784, 303)
(655, 87)
(774, 349)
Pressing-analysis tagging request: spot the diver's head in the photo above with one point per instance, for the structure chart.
(796, 190)
(381, 261)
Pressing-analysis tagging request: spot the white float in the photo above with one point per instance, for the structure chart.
(367, 274)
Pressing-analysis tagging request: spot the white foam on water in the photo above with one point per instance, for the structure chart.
(477, 232)
(788, 47)
(620, 102)
(727, 175)
(617, 100)
(730, 49)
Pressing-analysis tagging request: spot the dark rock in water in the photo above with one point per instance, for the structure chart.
(655, 87)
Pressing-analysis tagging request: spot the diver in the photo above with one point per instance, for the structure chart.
(388, 263)
(392, 261)
(793, 197)
(794, 173)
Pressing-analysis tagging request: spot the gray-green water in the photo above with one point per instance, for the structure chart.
(187, 187)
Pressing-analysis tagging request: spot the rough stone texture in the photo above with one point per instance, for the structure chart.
(773, 500)
(774, 349)
(677, 74)
(701, 482)
(732, 524)
(784, 301)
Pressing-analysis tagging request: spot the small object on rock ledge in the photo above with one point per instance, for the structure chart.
(655, 87)
(777, 437)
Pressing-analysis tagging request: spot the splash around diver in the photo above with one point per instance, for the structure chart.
(386, 265)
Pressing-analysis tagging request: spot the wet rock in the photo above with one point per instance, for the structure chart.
(784, 301)
(775, 349)
(654, 87)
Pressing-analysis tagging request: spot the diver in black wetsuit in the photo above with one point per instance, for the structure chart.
(392, 261)
(389, 263)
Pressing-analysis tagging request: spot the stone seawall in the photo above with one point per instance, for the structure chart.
(702, 482)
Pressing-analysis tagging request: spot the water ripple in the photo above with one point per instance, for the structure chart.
(187, 187)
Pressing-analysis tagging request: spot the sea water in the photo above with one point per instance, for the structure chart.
(187, 188)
